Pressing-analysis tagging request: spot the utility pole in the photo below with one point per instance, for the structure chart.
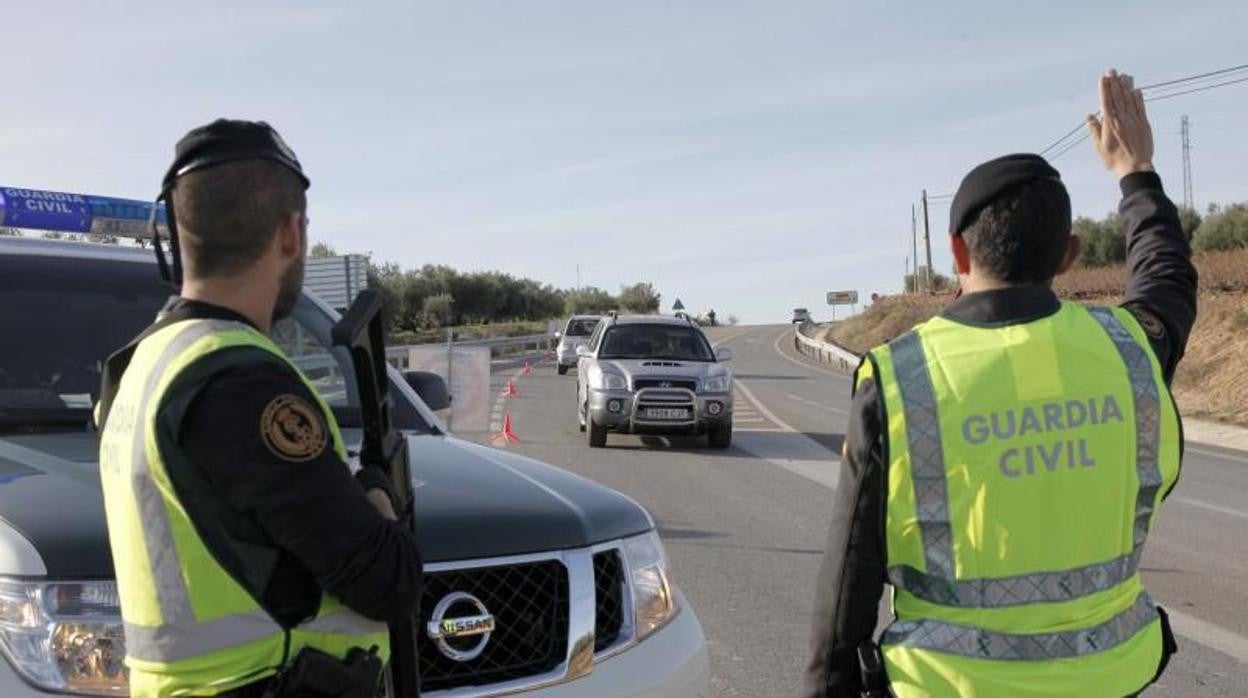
(1188, 200)
(578, 277)
(927, 240)
(914, 246)
(906, 279)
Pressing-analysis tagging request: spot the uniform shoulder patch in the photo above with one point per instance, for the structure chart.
(292, 428)
(1150, 322)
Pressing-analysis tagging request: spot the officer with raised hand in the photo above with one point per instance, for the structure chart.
(249, 560)
(1005, 460)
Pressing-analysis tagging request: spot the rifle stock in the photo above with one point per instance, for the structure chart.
(361, 332)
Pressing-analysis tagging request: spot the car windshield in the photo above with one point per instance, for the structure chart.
(655, 341)
(71, 313)
(581, 327)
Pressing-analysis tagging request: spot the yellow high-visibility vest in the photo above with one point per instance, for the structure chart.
(1025, 466)
(190, 627)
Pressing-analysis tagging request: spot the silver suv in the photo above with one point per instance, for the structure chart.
(652, 374)
(575, 334)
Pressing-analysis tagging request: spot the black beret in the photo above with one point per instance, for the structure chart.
(987, 182)
(226, 140)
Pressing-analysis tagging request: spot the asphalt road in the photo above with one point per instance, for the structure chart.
(745, 527)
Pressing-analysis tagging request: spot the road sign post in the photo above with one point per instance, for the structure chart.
(836, 298)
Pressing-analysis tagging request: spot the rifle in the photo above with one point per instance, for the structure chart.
(361, 331)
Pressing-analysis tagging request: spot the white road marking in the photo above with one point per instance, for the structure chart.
(818, 405)
(1212, 507)
(749, 395)
(1215, 454)
(742, 420)
(802, 455)
(1209, 635)
(803, 364)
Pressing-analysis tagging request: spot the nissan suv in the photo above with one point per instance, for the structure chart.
(572, 573)
(653, 374)
(574, 335)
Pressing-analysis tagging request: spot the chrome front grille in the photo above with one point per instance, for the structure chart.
(665, 399)
(610, 586)
(556, 614)
(529, 603)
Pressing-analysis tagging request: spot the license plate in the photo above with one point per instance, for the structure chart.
(665, 413)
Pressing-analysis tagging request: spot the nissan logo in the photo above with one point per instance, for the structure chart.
(444, 631)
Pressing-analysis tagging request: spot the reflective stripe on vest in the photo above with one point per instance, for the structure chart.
(180, 635)
(938, 584)
(979, 643)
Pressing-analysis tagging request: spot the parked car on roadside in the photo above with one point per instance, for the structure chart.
(572, 573)
(575, 334)
(652, 374)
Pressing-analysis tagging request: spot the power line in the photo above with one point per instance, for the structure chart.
(1066, 148)
(1063, 146)
(1195, 77)
(1194, 89)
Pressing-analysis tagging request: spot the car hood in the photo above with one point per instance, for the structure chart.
(471, 502)
(636, 368)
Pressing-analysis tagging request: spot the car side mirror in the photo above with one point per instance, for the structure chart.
(723, 354)
(582, 350)
(430, 387)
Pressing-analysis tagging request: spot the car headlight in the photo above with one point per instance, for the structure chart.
(612, 381)
(65, 636)
(653, 601)
(717, 384)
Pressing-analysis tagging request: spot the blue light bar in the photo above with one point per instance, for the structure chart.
(77, 213)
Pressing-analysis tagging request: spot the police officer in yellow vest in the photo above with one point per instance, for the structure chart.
(1005, 460)
(243, 546)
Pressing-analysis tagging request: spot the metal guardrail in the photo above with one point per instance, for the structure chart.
(398, 356)
(824, 352)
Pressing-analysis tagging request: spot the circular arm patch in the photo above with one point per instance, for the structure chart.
(292, 428)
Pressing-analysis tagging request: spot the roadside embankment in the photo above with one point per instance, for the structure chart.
(1212, 380)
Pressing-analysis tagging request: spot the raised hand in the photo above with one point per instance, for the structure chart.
(1122, 136)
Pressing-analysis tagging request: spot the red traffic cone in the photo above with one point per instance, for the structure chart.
(511, 389)
(528, 368)
(508, 434)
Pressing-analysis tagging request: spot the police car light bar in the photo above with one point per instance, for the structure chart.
(83, 214)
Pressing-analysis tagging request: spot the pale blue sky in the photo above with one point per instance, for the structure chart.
(744, 156)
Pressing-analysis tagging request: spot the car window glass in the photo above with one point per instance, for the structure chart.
(597, 336)
(645, 341)
(582, 327)
(71, 315)
(325, 370)
(305, 338)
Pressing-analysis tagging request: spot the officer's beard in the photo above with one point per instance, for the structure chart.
(288, 293)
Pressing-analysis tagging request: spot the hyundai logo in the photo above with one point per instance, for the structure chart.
(445, 631)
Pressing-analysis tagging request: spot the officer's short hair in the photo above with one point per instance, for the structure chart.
(1021, 237)
(228, 214)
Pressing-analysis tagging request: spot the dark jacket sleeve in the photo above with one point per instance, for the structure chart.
(851, 578)
(1161, 282)
(310, 505)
